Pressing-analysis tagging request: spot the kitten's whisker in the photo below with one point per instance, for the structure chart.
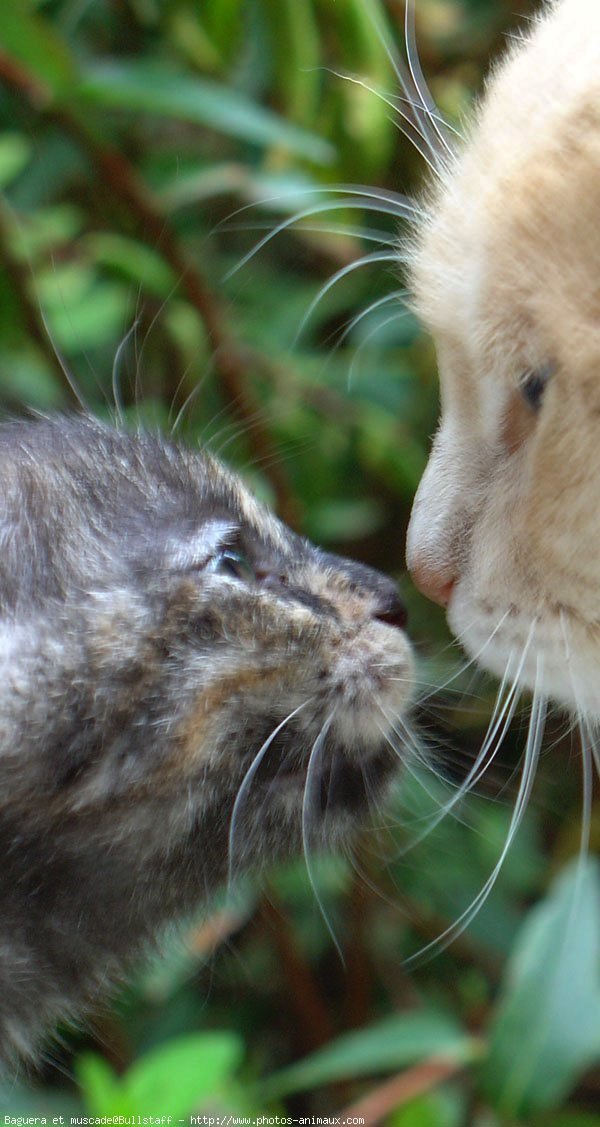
(116, 393)
(63, 364)
(311, 801)
(194, 393)
(407, 742)
(246, 784)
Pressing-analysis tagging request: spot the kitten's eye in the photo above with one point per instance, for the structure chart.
(233, 564)
(532, 385)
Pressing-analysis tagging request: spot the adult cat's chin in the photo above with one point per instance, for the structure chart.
(550, 651)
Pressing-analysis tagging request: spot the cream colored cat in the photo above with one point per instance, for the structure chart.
(505, 530)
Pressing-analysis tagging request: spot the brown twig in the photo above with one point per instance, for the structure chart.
(374, 1107)
(304, 998)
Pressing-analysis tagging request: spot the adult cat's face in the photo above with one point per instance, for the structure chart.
(506, 527)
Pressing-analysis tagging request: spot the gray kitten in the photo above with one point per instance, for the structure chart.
(185, 685)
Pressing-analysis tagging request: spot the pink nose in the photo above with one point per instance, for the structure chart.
(436, 583)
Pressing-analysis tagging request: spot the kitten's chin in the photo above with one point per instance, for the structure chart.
(553, 653)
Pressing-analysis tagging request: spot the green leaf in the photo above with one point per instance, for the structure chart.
(172, 1079)
(436, 1109)
(390, 1044)
(15, 152)
(568, 1119)
(169, 1080)
(547, 1027)
(132, 260)
(99, 1084)
(155, 88)
(34, 42)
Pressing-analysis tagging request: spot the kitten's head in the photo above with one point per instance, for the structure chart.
(505, 530)
(179, 668)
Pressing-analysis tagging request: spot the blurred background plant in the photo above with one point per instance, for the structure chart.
(147, 149)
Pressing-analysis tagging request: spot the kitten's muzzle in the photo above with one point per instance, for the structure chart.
(392, 610)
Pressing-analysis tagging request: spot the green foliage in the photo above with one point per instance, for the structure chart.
(148, 148)
(389, 1045)
(546, 1029)
(170, 1080)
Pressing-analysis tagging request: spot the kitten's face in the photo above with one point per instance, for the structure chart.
(505, 528)
(180, 657)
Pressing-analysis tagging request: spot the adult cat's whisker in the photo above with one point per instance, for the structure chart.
(396, 316)
(407, 125)
(311, 802)
(582, 720)
(364, 202)
(246, 784)
(407, 81)
(367, 234)
(476, 656)
(405, 207)
(357, 263)
(418, 78)
(417, 682)
(408, 742)
(499, 723)
(532, 750)
(587, 786)
(394, 295)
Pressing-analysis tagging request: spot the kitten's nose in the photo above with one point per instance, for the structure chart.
(390, 608)
(436, 583)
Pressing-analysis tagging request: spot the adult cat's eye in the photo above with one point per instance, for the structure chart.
(532, 385)
(233, 564)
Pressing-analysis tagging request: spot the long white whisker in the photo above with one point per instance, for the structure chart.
(366, 234)
(247, 781)
(395, 295)
(311, 785)
(406, 80)
(406, 125)
(534, 739)
(473, 660)
(395, 316)
(364, 260)
(115, 369)
(373, 202)
(418, 77)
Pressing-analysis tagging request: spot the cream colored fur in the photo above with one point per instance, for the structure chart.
(507, 278)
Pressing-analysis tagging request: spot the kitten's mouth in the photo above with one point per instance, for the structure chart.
(335, 784)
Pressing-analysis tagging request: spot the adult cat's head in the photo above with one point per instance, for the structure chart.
(506, 529)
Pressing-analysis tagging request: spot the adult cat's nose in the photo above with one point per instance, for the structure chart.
(436, 583)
